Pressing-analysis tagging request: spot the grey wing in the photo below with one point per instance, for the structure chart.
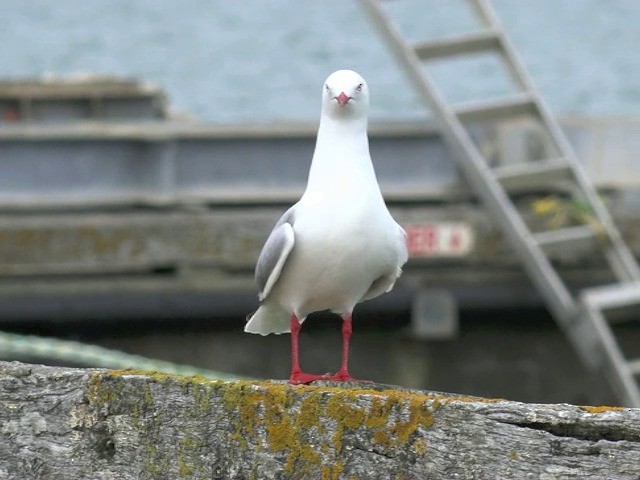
(274, 254)
(385, 283)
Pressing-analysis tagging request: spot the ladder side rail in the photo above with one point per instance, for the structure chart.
(616, 368)
(478, 173)
(563, 306)
(543, 274)
(484, 13)
(486, 16)
(621, 259)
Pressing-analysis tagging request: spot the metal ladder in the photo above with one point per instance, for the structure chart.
(583, 315)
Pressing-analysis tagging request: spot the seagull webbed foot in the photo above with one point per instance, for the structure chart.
(343, 376)
(302, 378)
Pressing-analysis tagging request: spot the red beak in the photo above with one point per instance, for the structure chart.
(343, 99)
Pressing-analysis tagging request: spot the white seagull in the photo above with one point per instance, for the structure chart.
(338, 245)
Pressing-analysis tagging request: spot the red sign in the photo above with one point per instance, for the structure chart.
(451, 239)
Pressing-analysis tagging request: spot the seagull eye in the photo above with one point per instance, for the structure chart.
(359, 87)
(326, 87)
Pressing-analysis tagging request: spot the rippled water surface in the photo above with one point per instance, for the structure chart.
(257, 60)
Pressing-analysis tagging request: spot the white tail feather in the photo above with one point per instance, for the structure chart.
(268, 319)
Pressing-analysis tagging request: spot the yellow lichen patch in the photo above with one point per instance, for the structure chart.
(419, 447)
(310, 410)
(147, 397)
(302, 426)
(340, 409)
(263, 408)
(600, 409)
(286, 414)
(184, 469)
(513, 455)
(304, 460)
(418, 416)
(186, 465)
(280, 430)
(102, 393)
(332, 472)
(246, 404)
(201, 399)
(378, 415)
(161, 377)
(381, 437)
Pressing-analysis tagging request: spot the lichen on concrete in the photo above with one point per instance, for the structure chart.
(130, 425)
(304, 431)
(302, 426)
(600, 409)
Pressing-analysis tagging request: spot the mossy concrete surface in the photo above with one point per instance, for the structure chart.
(61, 423)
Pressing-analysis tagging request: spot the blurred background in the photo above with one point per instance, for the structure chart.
(147, 148)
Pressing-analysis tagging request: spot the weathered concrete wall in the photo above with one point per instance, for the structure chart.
(60, 423)
(79, 265)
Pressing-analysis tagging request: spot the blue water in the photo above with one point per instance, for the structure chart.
(258, 60)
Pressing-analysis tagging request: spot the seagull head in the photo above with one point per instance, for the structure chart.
(345, 94)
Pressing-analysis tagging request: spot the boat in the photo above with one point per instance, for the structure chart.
(112, 205)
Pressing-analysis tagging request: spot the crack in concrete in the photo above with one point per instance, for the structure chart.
(590, 433)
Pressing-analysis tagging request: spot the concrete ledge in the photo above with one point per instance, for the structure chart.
(61, 423)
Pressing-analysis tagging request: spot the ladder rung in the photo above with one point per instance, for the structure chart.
(589, 331)
(616, 295)
(567, 236)
(457, 45)
(532, 174)
(513, 105)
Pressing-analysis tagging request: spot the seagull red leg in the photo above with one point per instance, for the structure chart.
(342, 375)
(297, 375)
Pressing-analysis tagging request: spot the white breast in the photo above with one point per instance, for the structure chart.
(341, 249)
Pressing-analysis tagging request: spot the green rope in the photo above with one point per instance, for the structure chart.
(14, 346)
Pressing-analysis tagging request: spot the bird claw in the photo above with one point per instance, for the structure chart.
(345, 377)
(302, 378)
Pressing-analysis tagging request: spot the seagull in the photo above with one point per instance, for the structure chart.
(338, 245)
